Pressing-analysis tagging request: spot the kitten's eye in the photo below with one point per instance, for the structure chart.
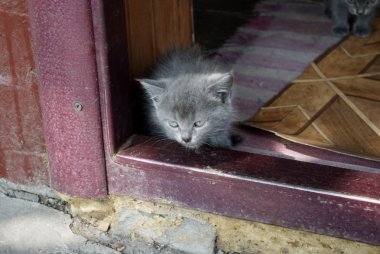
(173, 124)
(199, 124)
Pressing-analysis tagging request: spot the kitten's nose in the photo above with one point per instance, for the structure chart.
(186, 139)
(360, 12)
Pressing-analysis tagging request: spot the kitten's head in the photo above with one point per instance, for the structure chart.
(361, 7)
(191, 108)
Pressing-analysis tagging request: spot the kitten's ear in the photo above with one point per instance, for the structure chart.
(220, 88)
(153, 87)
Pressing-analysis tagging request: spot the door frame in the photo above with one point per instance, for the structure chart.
(94, 151)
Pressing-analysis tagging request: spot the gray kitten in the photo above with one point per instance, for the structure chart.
(362, 10)
(190, 97)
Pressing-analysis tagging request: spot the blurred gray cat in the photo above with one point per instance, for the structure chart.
(190, 98)
(341, 10)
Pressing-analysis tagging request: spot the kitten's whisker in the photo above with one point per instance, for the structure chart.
(159, 141)
(148, 140)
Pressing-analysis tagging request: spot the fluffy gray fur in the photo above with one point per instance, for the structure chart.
(190, 97)
(362, 10)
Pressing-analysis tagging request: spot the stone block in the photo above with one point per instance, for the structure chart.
(171, 231)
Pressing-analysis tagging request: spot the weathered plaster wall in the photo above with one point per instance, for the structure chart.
(22, 146)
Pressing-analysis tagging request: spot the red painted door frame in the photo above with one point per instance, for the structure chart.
(81, 104)
(64, 50)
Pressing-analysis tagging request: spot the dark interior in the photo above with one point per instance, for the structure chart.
(216, 20)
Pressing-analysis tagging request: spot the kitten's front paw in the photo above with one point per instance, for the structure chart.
(236, 139)
(341, 31)
(221, 141)
(362, 32)
(328, 12)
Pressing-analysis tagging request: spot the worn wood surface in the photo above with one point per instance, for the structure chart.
(63, 39)
(335, 103)
(153, 27)
(306, 196)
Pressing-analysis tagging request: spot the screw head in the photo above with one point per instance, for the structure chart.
(78, 106)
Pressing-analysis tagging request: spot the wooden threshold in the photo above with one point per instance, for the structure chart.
(306, 196)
